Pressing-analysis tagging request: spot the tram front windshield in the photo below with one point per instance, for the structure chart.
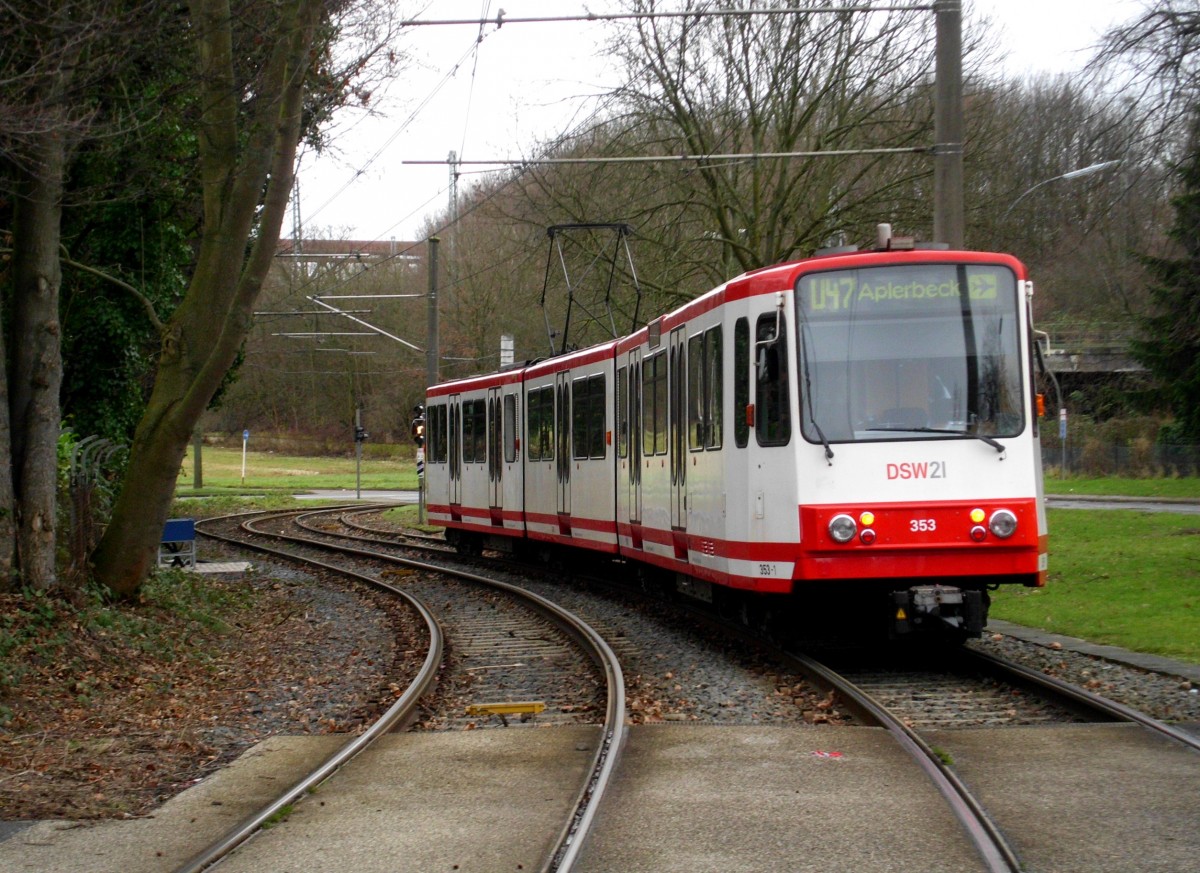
(909, 352)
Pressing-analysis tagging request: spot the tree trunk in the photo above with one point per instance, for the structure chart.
(36, 373)
(242, 156)
(191, 365)
(8, 528)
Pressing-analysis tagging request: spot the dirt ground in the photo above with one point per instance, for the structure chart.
(106, 711)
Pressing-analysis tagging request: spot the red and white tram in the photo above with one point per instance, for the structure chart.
(854, 432)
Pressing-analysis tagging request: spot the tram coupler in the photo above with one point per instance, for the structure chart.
(937, 608)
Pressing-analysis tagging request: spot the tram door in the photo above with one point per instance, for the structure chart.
(562, 385)
(677, 427)
(455, 428)
(635, 436)
(495, 459)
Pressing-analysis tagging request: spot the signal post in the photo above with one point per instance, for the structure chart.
(418, 435)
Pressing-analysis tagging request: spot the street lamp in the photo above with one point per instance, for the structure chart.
(1074, 174)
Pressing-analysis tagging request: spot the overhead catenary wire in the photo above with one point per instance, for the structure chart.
(500, 20)
(473, 50)
(407, 250)
(474, 71)
(535, 161)
(364, 297)
(648, 159)
(528, 162)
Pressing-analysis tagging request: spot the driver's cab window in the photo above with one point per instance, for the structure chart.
(772, 417)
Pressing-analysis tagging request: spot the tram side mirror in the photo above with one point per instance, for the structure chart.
(768, 358)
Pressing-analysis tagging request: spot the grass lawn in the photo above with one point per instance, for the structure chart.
(1122, 577)
(1122, 486)
(265, 471)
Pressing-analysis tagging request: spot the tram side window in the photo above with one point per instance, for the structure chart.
(713, 380)
(654, 405)
(431, 434)
(541, 424)
(481, 431)
(587, 417)
(696, 400)
(741, 381)
(622, 412)
(704, 390)
(435, 418)
(596, 427)
(468, 431)
(474, 425)
(511, 437)
(772, 420)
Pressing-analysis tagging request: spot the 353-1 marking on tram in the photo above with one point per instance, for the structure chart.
(917, 470)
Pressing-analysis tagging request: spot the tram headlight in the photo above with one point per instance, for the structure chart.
(1003, 523)
(842, 528)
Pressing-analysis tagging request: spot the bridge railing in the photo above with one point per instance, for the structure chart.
(1099, 338)
(1093, 347)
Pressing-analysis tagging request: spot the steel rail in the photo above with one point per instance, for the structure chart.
(566, 848)
(395, 715)
(1112, 708)
(989, 842)
(375, 535)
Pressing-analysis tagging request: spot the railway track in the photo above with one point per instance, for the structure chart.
(919, 704)
(513, 655)
(508, 647)
(739, 684)
(936, 690)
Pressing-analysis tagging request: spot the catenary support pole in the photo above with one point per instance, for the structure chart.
(431, 345)
(948, 213)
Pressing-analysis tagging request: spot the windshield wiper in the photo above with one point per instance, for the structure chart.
(987, 439)
(808, 392)
(824, 442)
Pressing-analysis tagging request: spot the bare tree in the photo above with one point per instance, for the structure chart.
(1153, 63)
(821, 82)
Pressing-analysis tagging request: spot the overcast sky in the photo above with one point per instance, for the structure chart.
(529, 82)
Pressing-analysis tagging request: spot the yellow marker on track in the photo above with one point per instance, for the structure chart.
(512, 708)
